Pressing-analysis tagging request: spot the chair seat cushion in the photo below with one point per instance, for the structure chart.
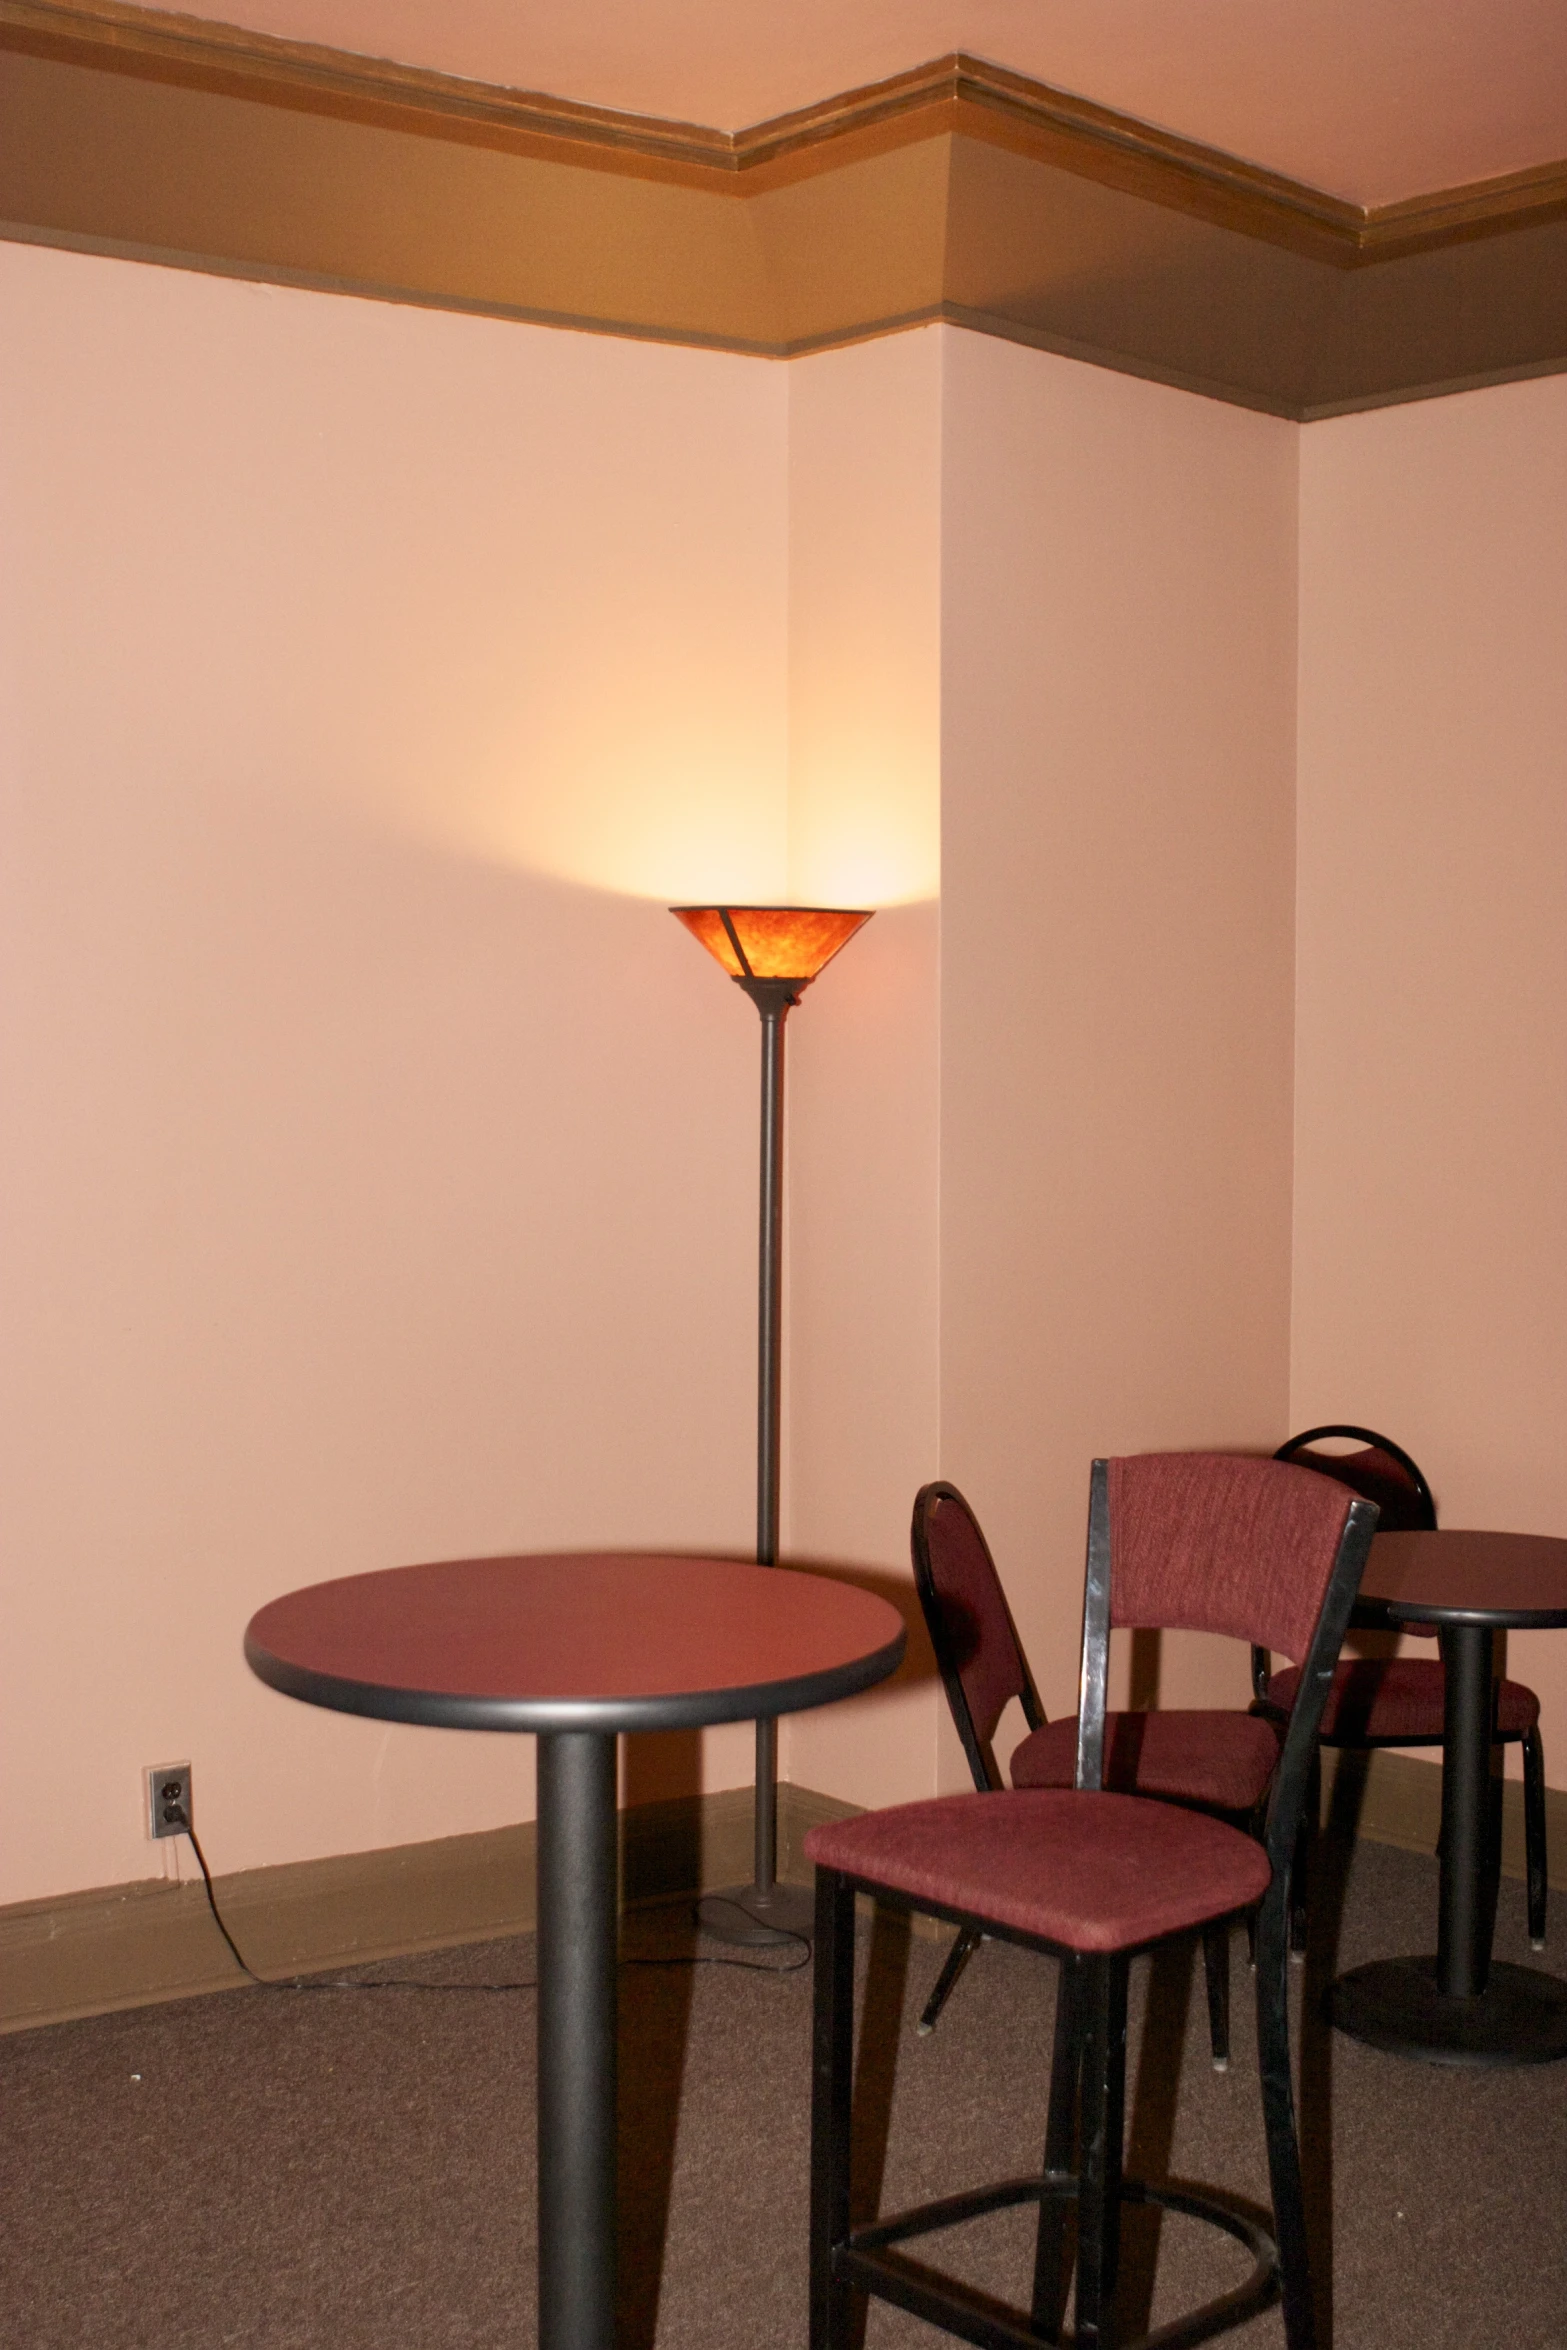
(1387, 1700)
(1085, 1872)
(1223, 1761)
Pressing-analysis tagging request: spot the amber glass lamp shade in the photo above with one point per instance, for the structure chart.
(771, 942)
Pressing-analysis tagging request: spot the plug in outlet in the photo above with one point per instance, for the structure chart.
(170, 1809)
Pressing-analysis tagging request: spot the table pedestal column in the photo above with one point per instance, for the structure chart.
(1459, 2008)
(578, 1926)
(1470, 1837)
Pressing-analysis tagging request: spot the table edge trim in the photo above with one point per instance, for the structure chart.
(441, 1709)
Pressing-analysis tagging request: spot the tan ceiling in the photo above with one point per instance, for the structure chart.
(1370, 100)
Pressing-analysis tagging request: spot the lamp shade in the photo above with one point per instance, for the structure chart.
(771, 942)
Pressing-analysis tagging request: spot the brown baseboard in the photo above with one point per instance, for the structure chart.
(132, 1945)
(1399, 1801)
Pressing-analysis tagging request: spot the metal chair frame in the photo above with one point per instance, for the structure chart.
(1535, 1854)
(1088, 2080)
(986, 1771)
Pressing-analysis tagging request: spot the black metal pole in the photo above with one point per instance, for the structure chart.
(577, 2021)
(1464, 1927)
(774, 1009)
(769, 1319)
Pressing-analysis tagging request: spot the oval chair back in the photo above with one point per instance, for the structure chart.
(1381, 1471)
(978, 1652)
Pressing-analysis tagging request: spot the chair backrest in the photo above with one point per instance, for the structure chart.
(977, 1649)
(1214, 1542)
(1381, 1471)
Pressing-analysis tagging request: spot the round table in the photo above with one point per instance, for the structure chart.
(576, 1648)
(1459, 2008)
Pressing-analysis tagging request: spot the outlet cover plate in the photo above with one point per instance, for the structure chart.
(168, 1785)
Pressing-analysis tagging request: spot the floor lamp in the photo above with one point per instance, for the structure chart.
(773, 953)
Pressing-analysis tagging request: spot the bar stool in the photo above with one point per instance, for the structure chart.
(1214, 1759)
(1257, 1550)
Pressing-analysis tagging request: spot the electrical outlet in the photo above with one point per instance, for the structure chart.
(169, 1806)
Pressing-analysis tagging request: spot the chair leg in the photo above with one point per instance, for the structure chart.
(832, 2087)
(1278, 2113)
(1534, 1834)
(1052, 2269)
(963, 1949)
(1300, 1869)
(1103, 2133)
(1216, 1969)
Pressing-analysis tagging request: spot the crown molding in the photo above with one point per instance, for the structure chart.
(197, 53)
(953, 94)
(955, 192)
(1449, 216)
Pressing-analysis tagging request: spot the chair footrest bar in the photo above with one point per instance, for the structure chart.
(950, 2211)
(936, 2299)
(866, 2261)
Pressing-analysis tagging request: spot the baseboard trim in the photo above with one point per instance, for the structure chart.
(134, 1945)
(1390, 1798)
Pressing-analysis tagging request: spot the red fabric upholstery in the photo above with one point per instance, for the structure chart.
(1086, 1872)
(1378, 1477)
(1224, 1760)
(1397, 1699)
(974, 1610)
(1214, 1543)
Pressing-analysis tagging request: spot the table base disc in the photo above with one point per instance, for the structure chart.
(1520, 2017)
(748, 1920)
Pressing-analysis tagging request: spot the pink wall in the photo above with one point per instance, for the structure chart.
(1431, 1158)
(383, 1163)
(385, 1183)
(381, 1172)
(864, 815)
(1117, 861)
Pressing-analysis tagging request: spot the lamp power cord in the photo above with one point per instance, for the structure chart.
(179, 1818)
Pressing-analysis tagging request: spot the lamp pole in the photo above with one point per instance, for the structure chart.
(774, 999)
(773, 953)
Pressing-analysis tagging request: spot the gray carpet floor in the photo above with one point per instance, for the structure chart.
(278, 2171)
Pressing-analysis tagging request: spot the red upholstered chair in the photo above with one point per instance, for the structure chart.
(1215, 1761)
(1399, 1701)
(1264, 1553)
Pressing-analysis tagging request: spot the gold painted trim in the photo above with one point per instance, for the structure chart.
(1420, 224)
(955, 193)
(312, 281)
(198, 53)
(957, 93)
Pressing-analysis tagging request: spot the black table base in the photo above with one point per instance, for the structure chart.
(1459, 2007)
(1394, 2003)
(576, 1648)
(578, 1926)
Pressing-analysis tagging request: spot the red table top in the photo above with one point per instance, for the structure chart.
(1459, 1577)
(575, 1640)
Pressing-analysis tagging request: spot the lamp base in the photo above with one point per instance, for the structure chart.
(748, 1919)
